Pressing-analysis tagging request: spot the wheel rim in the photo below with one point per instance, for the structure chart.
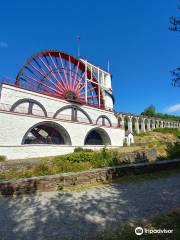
(62, 76)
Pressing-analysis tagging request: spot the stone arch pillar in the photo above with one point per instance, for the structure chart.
(149, 125)
(143, 129)
(161, 124)
(130, 124)
(137, 125)
(153, 124)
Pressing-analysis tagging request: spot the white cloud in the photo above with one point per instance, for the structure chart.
(3, 44)
(174, 108)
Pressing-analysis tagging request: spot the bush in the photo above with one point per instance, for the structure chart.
(104, 158)
(42, 169)
(80, 149)
(66, 166)
(2, 158)
(173, 150)
(80, 156)
(125, 142)
(95, 158)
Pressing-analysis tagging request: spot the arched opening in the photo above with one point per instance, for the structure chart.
(151, 124)
(47, 133)
(157, 124)
(97, 136)
(140, 121)
(146, 124)
(134, 122)
(120, 122)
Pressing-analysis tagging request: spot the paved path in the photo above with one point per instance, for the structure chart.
(79, 215)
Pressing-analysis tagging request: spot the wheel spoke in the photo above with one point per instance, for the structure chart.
(50, 72)
(89, 90)
(70, 84)
(75, 77)
(31, 78)
(58, 71)
(65, 75)
(80, 79)
(60, 75)
(44, 74)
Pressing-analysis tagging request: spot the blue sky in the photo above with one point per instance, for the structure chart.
(133, 35)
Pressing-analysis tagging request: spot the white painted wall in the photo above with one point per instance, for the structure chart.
(130, 139)
(33, 151)
(11, 94)
(13, 126)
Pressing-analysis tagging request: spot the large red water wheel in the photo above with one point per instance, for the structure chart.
(62, 76)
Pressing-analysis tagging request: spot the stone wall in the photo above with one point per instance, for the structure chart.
(58, 182)
(137, 156)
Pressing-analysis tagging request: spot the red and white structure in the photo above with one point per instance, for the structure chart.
(58, 102)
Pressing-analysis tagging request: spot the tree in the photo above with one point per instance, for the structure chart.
(175, 26)
(149, 111)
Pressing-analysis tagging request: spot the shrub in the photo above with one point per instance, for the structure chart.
(43, 169)
(173, 150)
(80, 149)
(2, 158)
(80, 156)
(125, 142)
(104, 158)
(66, 166)
(95, 158)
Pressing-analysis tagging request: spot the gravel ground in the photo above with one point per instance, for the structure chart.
(81, 215)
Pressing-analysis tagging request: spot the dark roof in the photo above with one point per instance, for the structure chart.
(127, 133)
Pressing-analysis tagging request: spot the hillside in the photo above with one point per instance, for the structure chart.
(159, 138)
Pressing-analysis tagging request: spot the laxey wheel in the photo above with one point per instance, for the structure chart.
(62, 76)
